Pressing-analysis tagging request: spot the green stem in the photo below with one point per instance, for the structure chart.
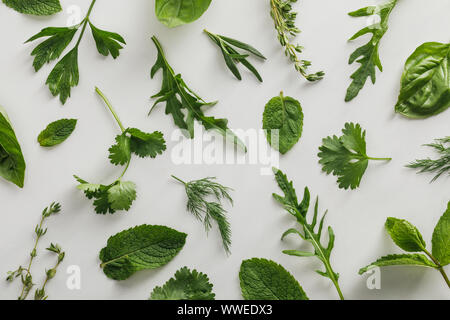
(110, 107)
(439, 267)
(85, 22)
(380, 159)
(178, 179)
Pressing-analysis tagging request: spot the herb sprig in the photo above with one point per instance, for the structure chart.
(284, 20)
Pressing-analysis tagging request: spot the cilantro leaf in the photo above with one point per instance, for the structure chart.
(146, 144)
(120, 153)
(186, 285)
(367, 56)
(35, 7)
(107, 42)
(345, 156)
(121, 195)
(263, 279)
(139, 248)
(57, 132)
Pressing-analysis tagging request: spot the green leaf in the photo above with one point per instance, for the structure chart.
(35, 7)
(57, 132)
(12, 163)
(263, 279)
(283, 122)
(367, 56)
(441, 239)
(405, 235)
(146, 144)
(243, 46)
(121, 195)
(139, 248)
(120, 153)
(107, 42)
(52, 48)
(64, 76)
(186, 285)
(173, 13)
(399, 260)
(425, 84)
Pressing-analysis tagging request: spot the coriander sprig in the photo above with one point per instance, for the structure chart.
(284, 20)
(198, 192)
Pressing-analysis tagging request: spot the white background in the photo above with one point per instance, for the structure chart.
(387, 189)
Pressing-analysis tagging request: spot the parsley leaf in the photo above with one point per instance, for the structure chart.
(57, 132)
(367, 55)
(35, 7)
(346, 156)
(178, 97)
(107, 42)
(186, 285)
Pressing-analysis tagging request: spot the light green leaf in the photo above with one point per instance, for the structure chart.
(57, 132)
(400, 259)
(35, 7)
(139, 248)
(121, 195)
(263, 279)
(174, 13)
(120, 153)
(441, 239)
(405, 235)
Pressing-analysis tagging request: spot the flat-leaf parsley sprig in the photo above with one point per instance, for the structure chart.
(284, 20)
(120, 194)
(65, 74)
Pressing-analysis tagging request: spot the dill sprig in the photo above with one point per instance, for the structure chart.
(440, 165)
(284, 20)
(198, 192)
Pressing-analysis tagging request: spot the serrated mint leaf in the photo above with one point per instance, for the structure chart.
(12, 163)
(399, 260)
(186, 285)
(173, 13)
(425, 85)
(146, 144)
(139, 248)
(283, 121)
(35, 7)
(57, 132)
(107, 42)
(263, 279)
(405, 235)
(120, 153)
(121, 195)
(441, 239)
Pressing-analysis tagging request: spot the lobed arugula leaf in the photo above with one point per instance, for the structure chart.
(139, 248)
(173, 13)
(57, 132)
(35, 7)
(283, 122)
(345, 156)
(263, 279)
(186, 285)
(368, 56)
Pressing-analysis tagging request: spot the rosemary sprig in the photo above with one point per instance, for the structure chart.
(440, 165)
(284, 20)
(206, 211)
(50, 274)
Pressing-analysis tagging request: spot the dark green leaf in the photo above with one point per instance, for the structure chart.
(107, 42)
(146, 144)
(400, 260)
(405, 235)
(35, 7)
(57, 132)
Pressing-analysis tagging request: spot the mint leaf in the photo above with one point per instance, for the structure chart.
(146, 144)
(399, 260)
(173, 13)
(107, 42)
(405, 235)
(441, 239)
(186, 285)
(283, 121)
(263, 279)
(425, 88)
(139, 248)
(120, 153)
(12, 163)
(35, 7)
(121, 195)
(57, 132)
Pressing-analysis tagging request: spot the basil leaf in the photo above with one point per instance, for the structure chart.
(12, 163)
(425, 83)
(405, 235)
(285, 115)
(174, 13)
(441, 239)
(57, 132)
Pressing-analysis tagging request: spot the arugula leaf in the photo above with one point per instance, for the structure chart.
(57, 132)
(425, 86)
(299, 212)
(12, 163)
(173, 13)
(283, 120)
(367, 56)
(186, 285)
(440, 165)
(400, 260)
(177, 96)
(346, 156)
(441, 239)
(233, 57)
(263, 279)
(65, 74)
(35, 7)
(139, 248)
(405, 235)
